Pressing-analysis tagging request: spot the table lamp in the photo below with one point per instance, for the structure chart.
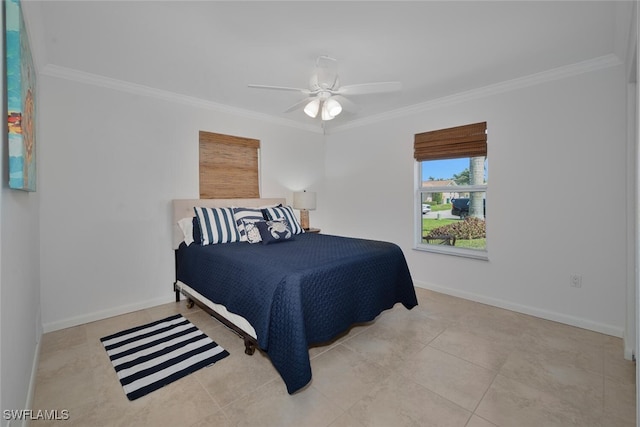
(305, 201)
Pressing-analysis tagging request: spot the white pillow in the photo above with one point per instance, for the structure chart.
(186, 225)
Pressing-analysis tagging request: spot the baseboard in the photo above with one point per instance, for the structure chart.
(496, 302)
(104, 314)
(629, 353)
(524, 309)
(32, 383)
(629, 349)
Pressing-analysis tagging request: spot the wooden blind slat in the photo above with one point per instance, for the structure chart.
(219, 138)
(451, 140)
(449, 152)
(451, 143)
(478, 129)
(228, 167)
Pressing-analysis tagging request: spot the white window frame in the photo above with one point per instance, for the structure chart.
(443, 249)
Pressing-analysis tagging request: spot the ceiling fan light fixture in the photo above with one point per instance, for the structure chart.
(333, 107)
(326, 115)
(312, 108)
(325, 95)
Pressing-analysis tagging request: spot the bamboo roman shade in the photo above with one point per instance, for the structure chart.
(451, 143)
(228, 167)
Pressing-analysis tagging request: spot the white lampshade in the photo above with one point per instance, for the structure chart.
(325, 113)
(312, 108)
(304, 200)
(333, 107)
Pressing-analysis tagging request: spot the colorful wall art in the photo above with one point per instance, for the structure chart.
(21, 85)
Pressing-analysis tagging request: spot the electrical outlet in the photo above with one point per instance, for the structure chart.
(575, 281)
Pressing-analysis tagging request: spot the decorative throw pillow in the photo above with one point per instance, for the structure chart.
(251, 230)
(286, 213)
(186, 225)
(217, 225)
(241, 214)
(274, 231)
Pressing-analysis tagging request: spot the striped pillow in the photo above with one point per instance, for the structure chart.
(243, 215)
(217, 225)
(284, 212)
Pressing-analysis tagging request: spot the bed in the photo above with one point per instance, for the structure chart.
(283, 298)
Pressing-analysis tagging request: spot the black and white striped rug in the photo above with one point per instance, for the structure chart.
(151, 356)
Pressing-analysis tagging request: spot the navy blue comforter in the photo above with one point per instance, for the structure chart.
(299, 292)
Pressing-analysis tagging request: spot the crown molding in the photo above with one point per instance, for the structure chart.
(137, 89)
(595, 64)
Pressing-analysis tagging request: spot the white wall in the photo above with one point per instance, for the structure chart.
(19, 293)
(555, 201)
(20, 326)
(111, 161)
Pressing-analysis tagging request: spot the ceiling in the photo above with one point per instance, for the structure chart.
(212, 50)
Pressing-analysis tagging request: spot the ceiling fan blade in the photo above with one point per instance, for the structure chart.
(291, 89)
(347, 105)
(297, 105)
(366, 88)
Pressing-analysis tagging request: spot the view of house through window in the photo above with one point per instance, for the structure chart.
(453, 202)
(452, 188)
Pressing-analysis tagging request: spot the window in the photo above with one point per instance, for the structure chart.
(451, 190)
(228, 167)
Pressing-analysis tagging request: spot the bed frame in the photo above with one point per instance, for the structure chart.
(183, 208)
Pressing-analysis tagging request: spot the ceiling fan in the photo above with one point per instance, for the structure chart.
(325, 95)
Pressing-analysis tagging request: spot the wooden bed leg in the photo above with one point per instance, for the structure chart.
(249, 348)
(177, 295)
(190, 303)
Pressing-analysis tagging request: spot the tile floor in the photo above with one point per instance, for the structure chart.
(447, 362)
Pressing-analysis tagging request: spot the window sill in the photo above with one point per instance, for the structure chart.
(452, 250)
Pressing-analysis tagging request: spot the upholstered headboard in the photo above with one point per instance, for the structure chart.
(183, 208)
